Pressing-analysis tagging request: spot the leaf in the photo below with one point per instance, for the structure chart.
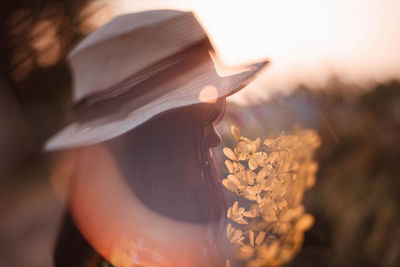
(245, 139)
(284, 166)
(286, 253)
(235, 166)
(260, 157)
(283, 228)
(241, 166)
(242, 181)
(268, 142)
(260, 238)
(236, 214)
(295, 166)
(252, 163)
(240, 174)
(250, 194)
(310, 181)
(279, 190)
(251, 238)
(229, 153)
(305, 222)
(241, 151)
(269, 215)
(262, 224)
(268, 210)
(242, 148)
(312, 167)
(238, 166)
(245, 253)
(229, 185)
(273, 157)
(288, 215)
(281, 203)
(235, 132)
(229, 231)
(229, 165)
(240, 221)
(268, 184)
(235, 207)
(233, 179)
(252, 213)
(258, 141)
(259, 199)
(256, 145)
(250, 176)
(270, 252)
(261, 174)
(237, 237)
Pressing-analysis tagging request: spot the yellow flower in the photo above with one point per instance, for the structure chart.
(277, 173)
(236, 214)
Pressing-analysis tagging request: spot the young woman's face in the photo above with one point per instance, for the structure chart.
(212, 135)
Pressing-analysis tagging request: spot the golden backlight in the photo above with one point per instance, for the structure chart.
(307, 41)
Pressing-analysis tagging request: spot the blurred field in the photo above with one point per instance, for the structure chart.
(356, 198)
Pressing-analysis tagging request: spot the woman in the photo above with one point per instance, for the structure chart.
(142, 185)
(168, 164)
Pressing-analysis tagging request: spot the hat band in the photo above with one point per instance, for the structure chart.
(145, 86)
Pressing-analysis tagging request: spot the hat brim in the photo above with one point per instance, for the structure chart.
(191, 92)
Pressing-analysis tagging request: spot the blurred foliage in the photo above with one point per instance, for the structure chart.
(35, 37)
(356, 198)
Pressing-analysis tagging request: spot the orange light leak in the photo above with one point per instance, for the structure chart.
(306, 40)
(208, 94)
(118, 225)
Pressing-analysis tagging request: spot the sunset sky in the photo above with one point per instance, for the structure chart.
(307, 41)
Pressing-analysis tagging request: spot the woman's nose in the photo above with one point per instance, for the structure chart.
(212, 136)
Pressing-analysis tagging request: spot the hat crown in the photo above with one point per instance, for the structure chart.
(128, 44)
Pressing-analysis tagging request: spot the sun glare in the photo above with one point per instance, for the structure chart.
(307, 41)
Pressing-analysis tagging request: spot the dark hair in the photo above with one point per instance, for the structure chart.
(168, 163)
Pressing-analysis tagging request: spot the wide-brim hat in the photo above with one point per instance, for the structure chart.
(140, 65)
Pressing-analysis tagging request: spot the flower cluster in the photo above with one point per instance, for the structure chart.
(268, 220)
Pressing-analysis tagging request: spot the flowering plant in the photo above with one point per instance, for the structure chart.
(267, 222)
